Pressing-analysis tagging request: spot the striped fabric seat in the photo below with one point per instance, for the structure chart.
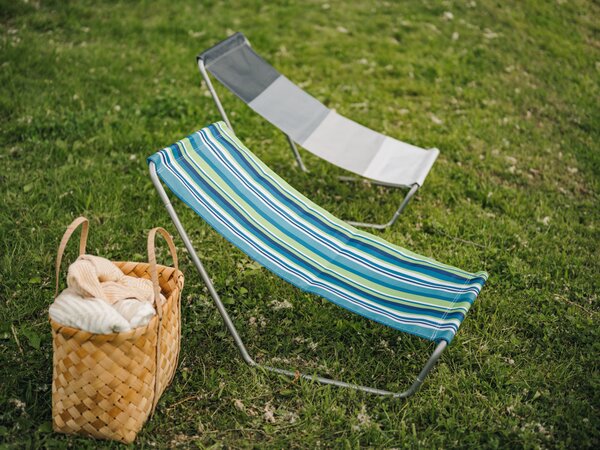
(238, 195)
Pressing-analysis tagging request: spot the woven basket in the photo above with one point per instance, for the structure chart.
(107, 385)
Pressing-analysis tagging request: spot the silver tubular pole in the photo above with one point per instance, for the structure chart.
(213, 93)
(238, 340)
(296, 153)
(414, 387)
(425, 370)
(199, 266)
(383, 226)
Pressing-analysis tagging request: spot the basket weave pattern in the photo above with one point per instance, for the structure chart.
(107, 385)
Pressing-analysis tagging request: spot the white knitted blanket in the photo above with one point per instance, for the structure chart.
(101, 299)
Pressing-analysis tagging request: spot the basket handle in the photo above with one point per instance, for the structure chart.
(152, 260)
(65, 239)
(154, 275)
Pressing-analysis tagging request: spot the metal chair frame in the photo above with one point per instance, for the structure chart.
(441, 345)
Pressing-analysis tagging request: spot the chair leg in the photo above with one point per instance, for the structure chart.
(296, 154)
(383, 226)
(213, 93)
(238, 340)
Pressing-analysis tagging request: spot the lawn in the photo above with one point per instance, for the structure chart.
(508, 91)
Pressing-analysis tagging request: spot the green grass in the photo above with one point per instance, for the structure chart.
(89, 89)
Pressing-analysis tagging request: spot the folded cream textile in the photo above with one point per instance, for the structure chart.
(94, 276)
(101, 299)
(97, 316)
(88, 314)
(135, 312)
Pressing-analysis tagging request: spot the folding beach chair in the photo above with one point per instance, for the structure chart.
(306, 121)
(239, 196)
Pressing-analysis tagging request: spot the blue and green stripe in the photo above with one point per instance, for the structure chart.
(237, 194)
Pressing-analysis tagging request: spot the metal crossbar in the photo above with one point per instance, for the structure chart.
(238, 340)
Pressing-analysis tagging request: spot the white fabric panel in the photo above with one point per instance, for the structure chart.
(88, 314)
(344, 143)
(290, 109)
(400, 163)
(339, 140)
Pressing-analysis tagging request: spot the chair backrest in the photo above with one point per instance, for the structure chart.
(245, 201)
(237, 66)
(310, 123)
